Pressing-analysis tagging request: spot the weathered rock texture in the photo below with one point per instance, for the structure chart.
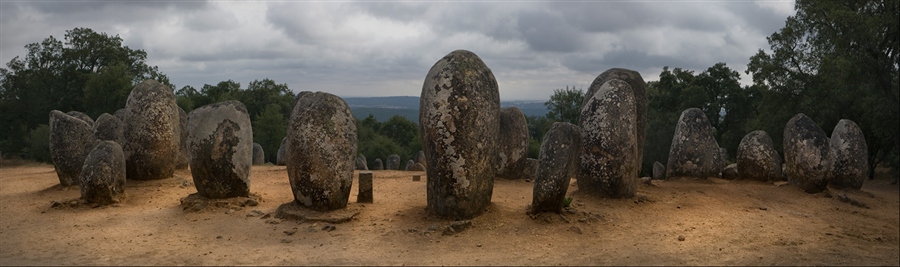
(281, 157)
(71, 139)
(377, 165)
(81, 116)
(459, 127)
(560, 151)
(757, 158)
(409, 165)
(513, 143)
(731, 172)
(184, 151)
(659, 171)
(609, 162)
(694, 151)
(152, 138)
(393, 162)
(103, 174)
(120, 113)
(849, 156)
(806, 154)
(420, 158)
(531, 166)
(361, 163)
(221, 140)
(109, 127)
(418, 167)
(322, 148)
(259, 156)
(639, 89)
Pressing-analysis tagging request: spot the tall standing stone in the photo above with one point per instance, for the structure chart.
(109, 127)
(259, 155)
(639, 89)
(513, 143)
(393, 162)
(71, 139)
(609, 162)
(560, 150)
(103, 174)
(694, 151)
(151, 132)
(806, 154)
(849, 155)
(322, 147)
(757, 158)
(410, 164)
(459, 124)
(221, 140)
(377, 165)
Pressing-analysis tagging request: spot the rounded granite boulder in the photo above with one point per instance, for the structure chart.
(71, 139)
(609, 162)
(221, 142)
(152, 136)
(806, 154)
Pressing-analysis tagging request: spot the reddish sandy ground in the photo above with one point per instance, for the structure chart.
(722, 223)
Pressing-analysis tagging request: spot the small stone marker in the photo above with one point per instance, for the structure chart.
(365, 187)
(417, 178)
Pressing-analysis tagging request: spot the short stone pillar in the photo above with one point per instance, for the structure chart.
(417, 178)
(365, 187)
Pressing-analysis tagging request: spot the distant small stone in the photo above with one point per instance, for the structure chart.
(575, 229)
(681, 238)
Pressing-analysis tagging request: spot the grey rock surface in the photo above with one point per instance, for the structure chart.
(639, 89)
(694, 151)
(71, 139)
(109, 127)
(221, 141)
(849, 156)
(259, 155)
(152, 138)
(560, 152)
(757, 158)
(609, 163)
(806, 154)
(103, 174)
(513, 143)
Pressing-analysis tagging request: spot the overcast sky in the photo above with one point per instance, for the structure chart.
(385, 48)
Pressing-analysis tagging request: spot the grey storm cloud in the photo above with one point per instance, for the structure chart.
(382, 48)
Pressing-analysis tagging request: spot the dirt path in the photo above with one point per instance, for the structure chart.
(722, 223)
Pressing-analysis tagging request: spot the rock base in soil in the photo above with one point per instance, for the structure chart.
(195, 202)
(294, 211)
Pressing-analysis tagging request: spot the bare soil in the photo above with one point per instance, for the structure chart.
(673, 222)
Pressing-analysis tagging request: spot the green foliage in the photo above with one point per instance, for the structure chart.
(565, 105)
(39, 143)
(268, 130)
(567, 202)
(90, 71)
(831, 61)
(398, 135)
(537, 128)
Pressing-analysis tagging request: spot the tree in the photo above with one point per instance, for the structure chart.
(565, 105)
(268, 130)
(838, 60)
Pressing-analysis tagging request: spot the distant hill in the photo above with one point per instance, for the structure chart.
(383, 108)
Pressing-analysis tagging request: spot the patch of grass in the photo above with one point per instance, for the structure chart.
(567, 202)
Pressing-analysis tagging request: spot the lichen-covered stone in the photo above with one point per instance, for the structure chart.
(103, 174)
(730, 172)
(71, 139)
(361, 163)
(418, 167)
(849, 156)
(377, 165)
(152, 138)
(81, 116)
(694, 151)
(420, 158)
(639, 89)
(120, 113)
(281, 157)
(459, 127)
(558, 164)
(806, 154)
(757, 158)
(184, 149)
(393, 162)
(259, 155)
(513, 143)
(221, 141)
(322, 147)
(659, 171)
(109, 127)
(409, 165)
(609, 162)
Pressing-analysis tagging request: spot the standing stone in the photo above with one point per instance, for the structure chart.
(259, 156)
(109, 127)
(420, 158)
(849, 155)
(513, 143)
(639, 87)
(81, 116)
(281, 158)
(184, 151)
(322, 147)
(560, 151)
(418, 167)
(531, 168)
(659, 171)
(361, 163)
(365, 187)
(410, 164)
(120, 113)
(694, 151)
(221, 140)
(609, 162)
(151, 132)
(377, 165)
(757, 158)
(71, 139)
(393, 162)
(806, 150)
(459, 127)
(731, 172)
(103, 174)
